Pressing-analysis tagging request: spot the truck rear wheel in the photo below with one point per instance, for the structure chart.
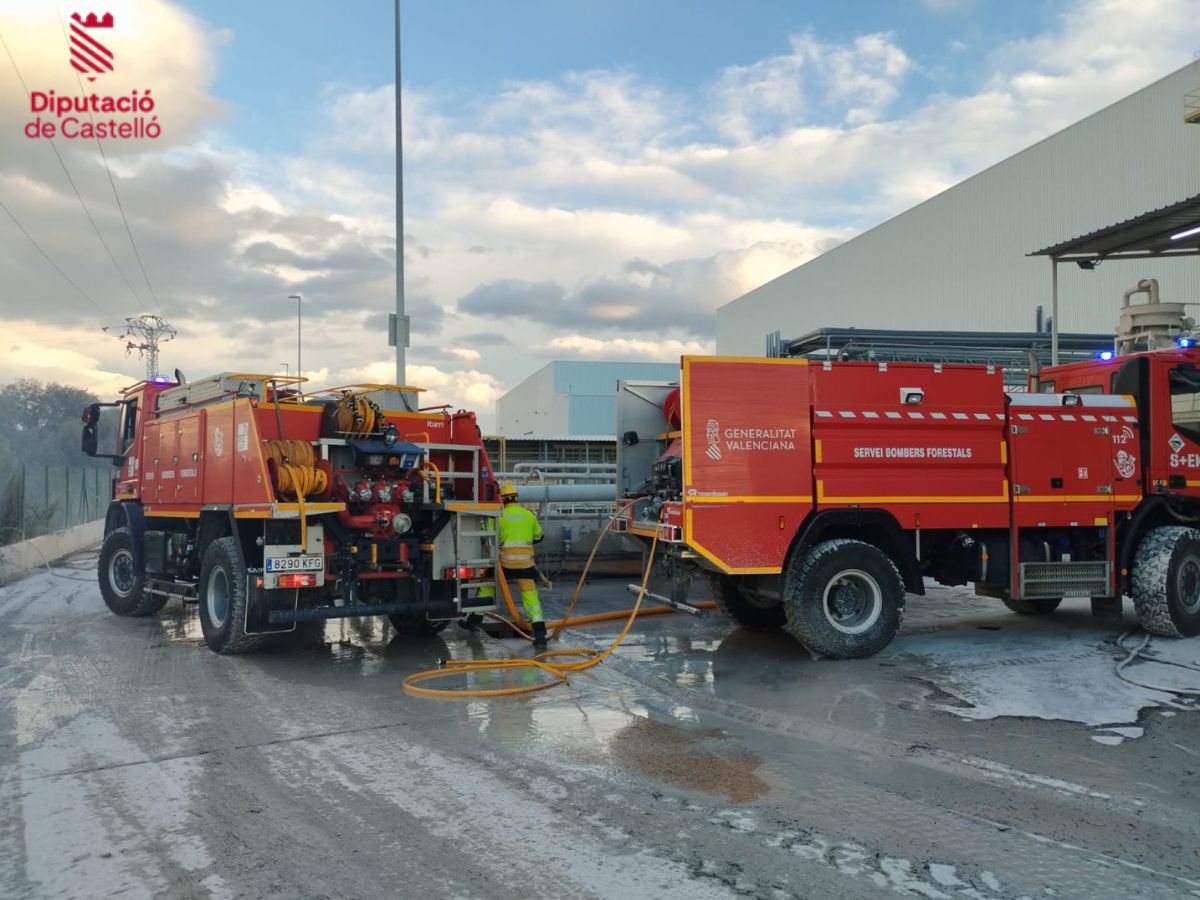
(1166, 581)
(122, 583)
(224, 598)
(1039, 606)
(843, 599)
(748, 608)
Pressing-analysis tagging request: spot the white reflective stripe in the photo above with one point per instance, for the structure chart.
(870, 415)
(982, 416)
(961, 416)
(1088, 418)
(1046, 417)
(1129, 418)
(1025, 417)
(1068, 418)
(892, 415)
(846, 415)
(824, 414)
(518, 544)
(916, 415)
(938, 415)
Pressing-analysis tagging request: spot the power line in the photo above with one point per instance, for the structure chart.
(112, 183)
(71, 181)
(38, 247)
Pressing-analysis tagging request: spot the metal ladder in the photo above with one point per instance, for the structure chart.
(475, 547)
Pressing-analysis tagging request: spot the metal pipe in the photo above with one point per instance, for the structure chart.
(667, 601)
(582, 467)
(566, 493)
(1054, 311)
(1147, 286)
(562, 476)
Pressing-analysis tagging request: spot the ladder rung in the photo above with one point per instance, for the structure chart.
(472, 563)
(490, 534)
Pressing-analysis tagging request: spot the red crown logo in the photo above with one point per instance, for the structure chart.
(89, 56)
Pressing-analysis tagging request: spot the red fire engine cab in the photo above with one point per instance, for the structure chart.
(271, 507)
(814, 495)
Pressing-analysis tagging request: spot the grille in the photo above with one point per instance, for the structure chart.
(1064, 579)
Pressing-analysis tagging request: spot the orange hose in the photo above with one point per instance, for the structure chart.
(558, 671)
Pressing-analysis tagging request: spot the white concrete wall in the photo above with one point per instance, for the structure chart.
(20, 559)
(957, 261)
(532, 407)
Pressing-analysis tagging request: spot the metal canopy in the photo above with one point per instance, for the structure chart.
(1172, 232)
(1145, 236)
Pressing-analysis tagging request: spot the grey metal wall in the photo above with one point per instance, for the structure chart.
(957, 261)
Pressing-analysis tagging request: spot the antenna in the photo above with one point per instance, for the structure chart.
(144, 334)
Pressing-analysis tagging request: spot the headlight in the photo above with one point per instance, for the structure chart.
(401, 523)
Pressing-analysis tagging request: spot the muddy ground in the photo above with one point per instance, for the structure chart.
(983, 756)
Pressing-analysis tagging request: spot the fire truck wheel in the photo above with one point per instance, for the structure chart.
(1039, 606)
(223, 599)
(748, 608)
(410, 626)
(844, 599)
(121, 584)
(1166, 582)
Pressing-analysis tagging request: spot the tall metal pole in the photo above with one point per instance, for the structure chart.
(400, 326)
(299, 368)
(1054, 311)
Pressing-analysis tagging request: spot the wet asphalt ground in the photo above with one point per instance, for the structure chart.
(982, 756)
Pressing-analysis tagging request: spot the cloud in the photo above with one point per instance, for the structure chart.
(632, 349)
(590, 208)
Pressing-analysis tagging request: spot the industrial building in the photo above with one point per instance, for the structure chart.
(958, 261)
(571, 398)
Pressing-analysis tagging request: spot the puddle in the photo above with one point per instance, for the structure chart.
(707, 761)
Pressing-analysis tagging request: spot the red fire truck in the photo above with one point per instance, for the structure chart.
(271, 507)
(814, 495)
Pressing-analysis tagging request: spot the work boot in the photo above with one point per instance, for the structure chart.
(539, 635)
(471, 622)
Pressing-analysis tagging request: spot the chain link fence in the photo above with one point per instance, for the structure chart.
(36, 500)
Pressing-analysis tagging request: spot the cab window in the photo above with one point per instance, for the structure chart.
(128, 425)
(1086, 389)
(1046, 387)
(1184, 382)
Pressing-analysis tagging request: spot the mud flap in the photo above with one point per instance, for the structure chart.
(1106, 607)
(260, 603)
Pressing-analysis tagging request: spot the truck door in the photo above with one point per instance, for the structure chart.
(1177, 442)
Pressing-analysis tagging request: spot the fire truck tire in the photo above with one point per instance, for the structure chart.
(224, 599)
(844, 599)
(1166, 582)
(407, 625)
(744, 608)
(121, 583)
(1038, 606)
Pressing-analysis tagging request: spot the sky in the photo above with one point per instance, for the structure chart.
(582, 180)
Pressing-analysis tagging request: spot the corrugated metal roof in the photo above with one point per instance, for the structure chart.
(1149, 233)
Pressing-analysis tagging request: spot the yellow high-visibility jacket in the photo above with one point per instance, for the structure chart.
(518, 532)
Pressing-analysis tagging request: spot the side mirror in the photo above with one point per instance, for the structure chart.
(630, 438)
(91, 431)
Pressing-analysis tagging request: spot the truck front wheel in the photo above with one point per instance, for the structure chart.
(1166, 581)
(224, 598)
(122, 583)
(843, 599)
(748, 608)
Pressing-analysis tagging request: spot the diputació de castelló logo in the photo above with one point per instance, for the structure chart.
(96, 116)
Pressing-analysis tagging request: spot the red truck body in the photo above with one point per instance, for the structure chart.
(1029, 496)
(273, 508)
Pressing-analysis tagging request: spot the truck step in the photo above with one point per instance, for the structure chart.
(1065, 579)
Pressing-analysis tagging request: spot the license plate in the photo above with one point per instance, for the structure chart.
(295, 563)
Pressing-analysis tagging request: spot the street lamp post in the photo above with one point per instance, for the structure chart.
(299, 367)
(286, 370)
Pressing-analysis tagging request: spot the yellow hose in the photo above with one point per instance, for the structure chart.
(354, 415)
(297, 476)
(558, 672)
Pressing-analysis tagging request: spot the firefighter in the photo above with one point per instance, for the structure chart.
(518, 532)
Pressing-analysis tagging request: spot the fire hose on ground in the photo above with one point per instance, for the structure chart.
(559, 672)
